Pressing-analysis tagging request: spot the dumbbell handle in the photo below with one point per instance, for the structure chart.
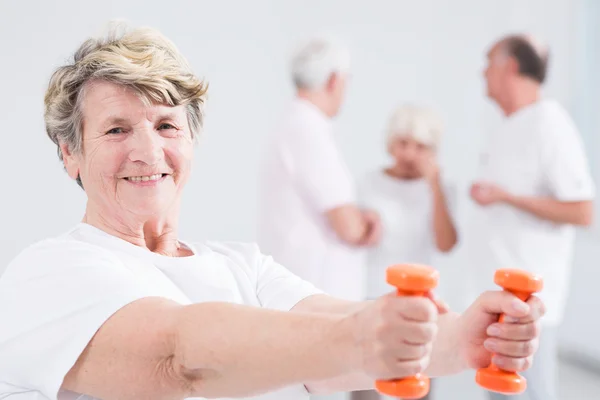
(524, 296)
(409, 280)
(412, 387)
(521, 284)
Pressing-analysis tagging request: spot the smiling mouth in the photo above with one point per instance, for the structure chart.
(146, 178)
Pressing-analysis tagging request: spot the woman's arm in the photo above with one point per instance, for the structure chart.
(157, 349)
(329, 305)
(445, 360)
(154, 348)
(461, 339)
(443, 226)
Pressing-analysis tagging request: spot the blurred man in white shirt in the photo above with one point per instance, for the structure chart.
(308, 218)
(534, 188)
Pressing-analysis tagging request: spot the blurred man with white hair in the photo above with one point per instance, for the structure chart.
(410, 198)
(534, 188)
(309, 218)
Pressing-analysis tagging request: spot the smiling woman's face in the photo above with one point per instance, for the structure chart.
(135, 158)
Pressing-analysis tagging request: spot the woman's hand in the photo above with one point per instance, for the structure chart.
(395, 335)
(512, 342)
(429, 167)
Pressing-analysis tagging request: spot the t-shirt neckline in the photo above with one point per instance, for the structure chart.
(117, 242)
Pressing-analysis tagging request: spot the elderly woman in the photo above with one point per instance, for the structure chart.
(410, 198)
(119, 307)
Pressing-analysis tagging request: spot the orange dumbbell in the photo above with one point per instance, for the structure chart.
(409, 280)
(522, 284)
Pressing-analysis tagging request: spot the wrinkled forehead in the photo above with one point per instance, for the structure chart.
(104, 100)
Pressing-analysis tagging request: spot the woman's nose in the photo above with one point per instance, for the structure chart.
(147, 147)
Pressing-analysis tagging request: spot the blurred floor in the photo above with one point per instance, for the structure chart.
(578, 384)
(575, 383)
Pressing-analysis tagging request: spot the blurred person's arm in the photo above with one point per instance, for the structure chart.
(354, 226)
(443, 226)
(575, 213)
(324, 180)
(561, 212)
(566, 177)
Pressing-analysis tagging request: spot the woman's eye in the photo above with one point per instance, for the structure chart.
(165, 126)
(115, 131)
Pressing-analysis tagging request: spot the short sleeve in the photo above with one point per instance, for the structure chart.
(565, 163)
(53, 298)
(278, 288)
(274, 286)
(318, 168)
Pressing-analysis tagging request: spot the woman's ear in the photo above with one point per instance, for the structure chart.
(70, 161)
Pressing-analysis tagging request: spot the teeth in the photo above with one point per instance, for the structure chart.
(146, 178)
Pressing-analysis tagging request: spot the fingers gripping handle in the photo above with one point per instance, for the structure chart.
(409, 280)
(522, 284)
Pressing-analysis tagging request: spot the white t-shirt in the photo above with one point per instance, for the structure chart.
(303, 177)
(537, 152)
(57, 293)
(406, 211)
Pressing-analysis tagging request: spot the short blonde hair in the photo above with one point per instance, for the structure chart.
(142, 60)
(418, 123)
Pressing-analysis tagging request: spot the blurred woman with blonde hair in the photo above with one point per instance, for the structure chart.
(410, 198)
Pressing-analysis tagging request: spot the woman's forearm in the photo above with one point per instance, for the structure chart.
(443, 226)
(228, 350)
(446, 357)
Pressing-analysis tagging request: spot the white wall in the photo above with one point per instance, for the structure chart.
(426, 51)
(430, 52)
(581, 329)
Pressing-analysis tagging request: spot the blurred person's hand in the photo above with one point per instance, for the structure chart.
(486, 193)
(429, 167)
(373, 235)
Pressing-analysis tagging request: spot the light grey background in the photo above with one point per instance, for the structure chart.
(429, 52)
